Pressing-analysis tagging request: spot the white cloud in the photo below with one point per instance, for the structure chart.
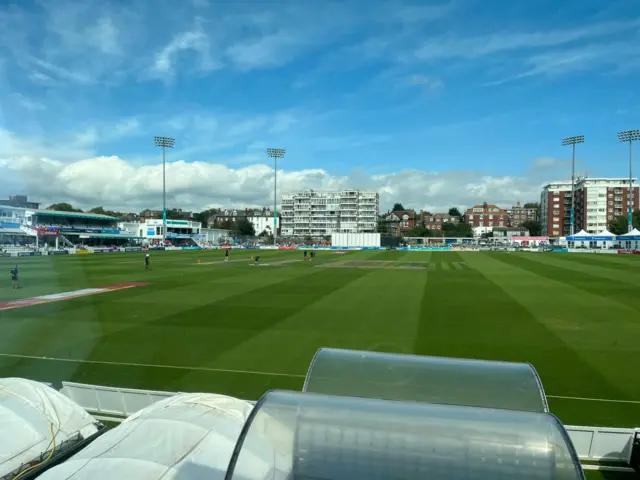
(116, 183)
(429, 83)
(195, 41)
(125, 128)
(28, 103)
(473, 47)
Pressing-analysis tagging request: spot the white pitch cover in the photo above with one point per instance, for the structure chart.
(187, 436)
(27, 411)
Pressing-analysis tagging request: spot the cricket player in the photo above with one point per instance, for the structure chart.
(147, 260)
(14, 277)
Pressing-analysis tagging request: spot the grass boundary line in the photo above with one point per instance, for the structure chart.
(150, 365)
(586, 399)
(246, 372)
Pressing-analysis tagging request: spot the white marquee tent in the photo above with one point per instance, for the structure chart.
(629, 240)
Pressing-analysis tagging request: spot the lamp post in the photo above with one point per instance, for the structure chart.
(573, 141)
(164, 143)
(630, 136)
(275, 153)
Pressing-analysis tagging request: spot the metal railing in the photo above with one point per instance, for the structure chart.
(599, 448)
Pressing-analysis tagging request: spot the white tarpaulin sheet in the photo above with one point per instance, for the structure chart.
(28, 410)
(188, 436)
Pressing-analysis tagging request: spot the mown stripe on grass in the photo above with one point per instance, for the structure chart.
(74, 328)
(198, 336)
(624, 263)
(595, 328)
(353, 317)
(619, 291)
(465, 314)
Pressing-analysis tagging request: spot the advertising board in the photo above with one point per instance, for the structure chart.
(287, 248)
(81, 251)
(57, 252)
(47, 231)
(190, 248)
(156, 249)
(29, 254)
(106, 250)
(425, 249)
(133, 249)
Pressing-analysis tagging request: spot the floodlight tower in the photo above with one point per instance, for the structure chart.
(275, 153)
(573, 141)
(164, 143)
(630, 136)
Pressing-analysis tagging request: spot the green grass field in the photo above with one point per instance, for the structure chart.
(239, 329)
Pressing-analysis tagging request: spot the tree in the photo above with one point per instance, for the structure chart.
(465, 230)
(618, 226)
(534, 227)
(98, 211)
(63, 207)
(531, 205)
(397, 207)
(204, 216)
(450, 229)
(454, 212)
(245, 228)
(418, 231)
(457, 230)
(174, 214)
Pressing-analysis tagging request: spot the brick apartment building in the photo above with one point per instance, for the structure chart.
(598, 201)
(555, 209)
(434, 221)
(519, 214)
(398, 221)
(486, 215)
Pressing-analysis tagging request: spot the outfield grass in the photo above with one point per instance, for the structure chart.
(247, 329)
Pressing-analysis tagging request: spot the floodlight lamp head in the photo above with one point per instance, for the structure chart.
(276, 152)
(164, 141)
(629, 136)
(572, 140)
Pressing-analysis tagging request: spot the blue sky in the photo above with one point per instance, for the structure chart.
(432, 103)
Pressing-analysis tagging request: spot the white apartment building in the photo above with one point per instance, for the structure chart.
(261, 219)
(316, 214)
(600, 200)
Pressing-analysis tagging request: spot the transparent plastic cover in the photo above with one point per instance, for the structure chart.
(452, 381)
(304, 436)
